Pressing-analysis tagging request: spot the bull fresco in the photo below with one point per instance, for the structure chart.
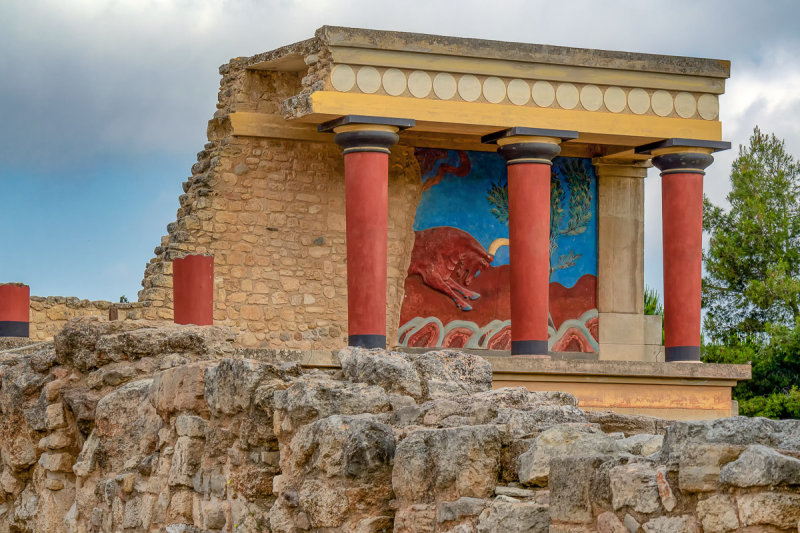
(457, 288)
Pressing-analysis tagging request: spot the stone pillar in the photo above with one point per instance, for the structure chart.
(626, 334)
(528, 153)
(193, 289)
(15, 310)
(365, 143)
(682, 163)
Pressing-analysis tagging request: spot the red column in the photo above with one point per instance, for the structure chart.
(529, 237)
(682, 226)
(366, 204)
(682, 219)
(193, 289)
(15, 306)
(528, 153)
(365, 143)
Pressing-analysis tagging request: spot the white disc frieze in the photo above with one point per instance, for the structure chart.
(567, 95)
(662, 103)
(469, 87)
(519, 93)
(685, 105)
(615, 99)
(444, 86)
(543, 93)
(494, 90)
(343, 78)
(639, 101)
(591, 97)
(368, 79)
(394, 82)
(708, 106)
(419, 84)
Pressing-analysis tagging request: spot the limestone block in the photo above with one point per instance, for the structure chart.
(672, 524)
(609, 523)
(511, 516)
(179, 389)
(185, 461)
(190, 426)
(54, 416)
(561, 440)
(229, 386)
(642, 444)
(622, 328)
(127, 424)
(769, 508)
(699, 466)
(570, 482)
(634, 485)
(460, 509)
(56, 462)
(760, 466)
(429, 463)
(628, 352)
(20, 453)
(393, 371)
(717, 514)
(55, 441)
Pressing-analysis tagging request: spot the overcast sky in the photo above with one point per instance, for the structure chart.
(105, 104)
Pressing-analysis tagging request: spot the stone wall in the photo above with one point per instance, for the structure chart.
(140, 427)
(48, 315)
(271, 212)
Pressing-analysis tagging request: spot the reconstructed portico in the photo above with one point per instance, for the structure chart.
(457, 193)
(531, 103)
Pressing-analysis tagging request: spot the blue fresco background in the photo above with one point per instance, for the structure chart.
(461, 202)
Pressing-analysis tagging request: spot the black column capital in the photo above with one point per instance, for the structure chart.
(529, 145)
(359, 133)
(684, 156)
(682, 162)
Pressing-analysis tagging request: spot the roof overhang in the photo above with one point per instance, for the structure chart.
(458, 90)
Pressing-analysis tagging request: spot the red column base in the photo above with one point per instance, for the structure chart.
(15, 305)
(193, 289)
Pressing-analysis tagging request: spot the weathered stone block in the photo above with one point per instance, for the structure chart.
(634, 485)
(190, 426)
(430, 463)
(717, 514)
(609, 523)
(699, 465)
(560, 440)
(185, 461)
(56, 462)
(672, 524)
(570, 482)
(505, 514)
(761, 466)
(778, 509)
(179, 389)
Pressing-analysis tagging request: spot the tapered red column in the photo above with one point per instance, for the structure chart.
(682, 163)
(15, 305)
(193, 289)
(528, 153)
(365, 143)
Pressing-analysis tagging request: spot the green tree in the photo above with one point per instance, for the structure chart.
(751, 290)
(753, 260)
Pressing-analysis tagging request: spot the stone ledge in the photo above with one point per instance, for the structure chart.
(639, 369)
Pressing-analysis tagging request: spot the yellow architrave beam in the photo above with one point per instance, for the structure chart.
(476, 118)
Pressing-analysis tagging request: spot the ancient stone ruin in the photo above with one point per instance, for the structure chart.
(137, 426)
